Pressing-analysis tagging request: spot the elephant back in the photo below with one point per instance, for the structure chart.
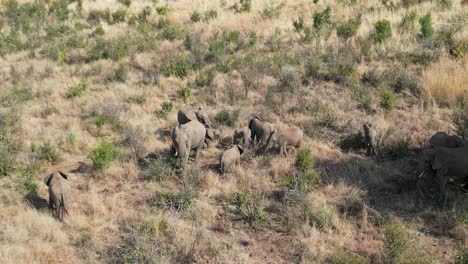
(196, 132)
(185, 116)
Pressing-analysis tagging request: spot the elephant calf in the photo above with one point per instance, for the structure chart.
(211, 135)
(370, 137)
(449, 163)
(230, 158)
(260, 130)
(59, 193)
(442, 139)
(290, 136)
(242, 135)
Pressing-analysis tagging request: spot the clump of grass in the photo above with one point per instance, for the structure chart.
(178, 67)
(343, 258)
(185, 93)
(426, 25)
(159, 169)
(162, 10)
(46, 151)
(180, 201)
(166, 108)
(76, 90)
(272, 11)
(407, 24)
(99, 31)
(121, 73)
(225, 117)
(387, 100)
(103, 155)
(119, 15)
(250, 208)
(348, 28)
(195, 16)
(243, 6)
(382, 31)
(126, 3)
(304, 160)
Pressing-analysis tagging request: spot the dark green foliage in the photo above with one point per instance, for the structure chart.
(30, 186)
(99, 120)
(210, 15)
(322, 19)
(349, 28)
(445, 4)
(382, 31)
(196, 16)
(119, 15)
(250, 208)
(99, 31)
(426, 25)
(178, 67)
(354, 141)
(9, 143)
(60, 9)
(162, 10)
(185, 93)
(387, 100)
(180, 201)
(396, 241)
(462, 258)
(24, 17)
(405, 81)
(103, 155)
(172, 32)
(225, 117)
(304, 160)
(166, 108)
(76, 90)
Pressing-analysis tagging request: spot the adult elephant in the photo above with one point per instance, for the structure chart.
(260, 130)
(290, 136)
(187, 137)
(442, 139)
(185, 116)
(449, 164)
(59, 193)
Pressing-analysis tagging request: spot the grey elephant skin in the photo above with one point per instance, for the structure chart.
(185, 116)
(231, 158)
(242, 135)
(211, 135)
(370, 137)
(187, 137)
(260, 130)
(449, 163)
(59, 193)
(287, 137)
(442, 139)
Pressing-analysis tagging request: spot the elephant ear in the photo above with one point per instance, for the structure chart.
(240, 148)
(210, 133)
(65, 176)
(48, 178)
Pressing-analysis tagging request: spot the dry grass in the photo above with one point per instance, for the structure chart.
(446, 80)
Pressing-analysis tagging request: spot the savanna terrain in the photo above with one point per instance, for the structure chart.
(92, 88)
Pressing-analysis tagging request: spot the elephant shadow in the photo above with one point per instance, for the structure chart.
(82, 168)
(36, 201)
(163, 133)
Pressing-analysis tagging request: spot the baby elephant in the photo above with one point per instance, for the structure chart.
(230, 158)
(59, 193)
(442, 139)
(242, 135)
(211, 135)
(290, 136)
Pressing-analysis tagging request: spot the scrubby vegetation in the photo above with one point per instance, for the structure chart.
(92, 88)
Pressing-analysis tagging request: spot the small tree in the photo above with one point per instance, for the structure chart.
(383, 31)
(426, 25)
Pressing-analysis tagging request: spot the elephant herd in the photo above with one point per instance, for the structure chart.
(194, 131)
(448, 156)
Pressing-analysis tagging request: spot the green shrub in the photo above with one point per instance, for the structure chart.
(387, 100)
(30, 186)
(126, 3)
(382, 31)
(99, 31)
(210, 15)
(321, 217)
(162, 10)
(196, 16)
(348, 29)
(461, 258)
(185, 93)
(178, 67)
(159, 169)
(272, 11)
(119, 15)
(426, 25)
(18, 94)
(242, 6)
(166, 108)
(304, 160)
(46, 152)
(322, 19)
(180, 201)
(103, 155)
(121, 74)
(303, 182)
(172, 32)
(251, 209)
(76, 90)
(224, 117)
(396, 241)
(60, 9)
(99, 120)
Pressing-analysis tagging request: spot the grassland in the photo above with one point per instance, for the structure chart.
(93, 88)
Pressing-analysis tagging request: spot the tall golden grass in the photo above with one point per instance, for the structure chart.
(445, 81)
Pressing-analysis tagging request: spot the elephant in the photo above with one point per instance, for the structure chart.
(260, 130)
(211, 135)
(242, 134)
(449, 164)
(185, 116)
(290, 136)
(230, 158)
(442, 139)
(59, 193)
(186, 137)
(370, 137)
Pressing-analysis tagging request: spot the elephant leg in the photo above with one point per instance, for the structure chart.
(197, 154)
(51, 205)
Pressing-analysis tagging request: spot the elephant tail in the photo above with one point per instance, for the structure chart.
(222, 165)
(62, 206)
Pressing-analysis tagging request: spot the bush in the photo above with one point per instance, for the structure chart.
(196, 16)
(121, 74)
(180, 201)
(18, 94)
(408, 21)
(382, 31)
(272, 11)
(321, 217)
(461, 258)
(159, 169)
(103, 155)
(166, 108)
(210, 15)
(31, 186)
(304, 160)
(172, 32)
(387, 100)
(119, 15)
(46, 152)
(178, 67)
(162, 10)
(302, 182)
(349, 28)
(99, 31)
(224, 117)
(242, 6)
(251, 209)
(426, 25)
(136, 99)
(396, 241)
(322, 19)
(60, 9)
(185, 93)
(76, 91)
